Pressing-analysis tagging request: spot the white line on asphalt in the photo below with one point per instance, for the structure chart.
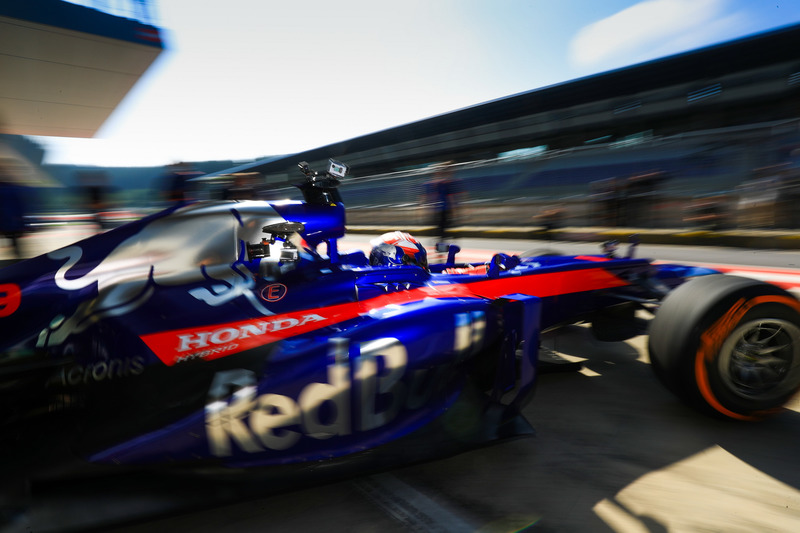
(409, 506)
(766, 276)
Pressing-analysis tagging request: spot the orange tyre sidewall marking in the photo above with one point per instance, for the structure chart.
(712, 339)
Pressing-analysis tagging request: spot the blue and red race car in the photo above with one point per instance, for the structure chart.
(236, 336)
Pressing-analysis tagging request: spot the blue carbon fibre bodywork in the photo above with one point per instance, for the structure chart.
(191, 338)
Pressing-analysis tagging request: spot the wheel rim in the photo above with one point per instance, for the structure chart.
(760, 360)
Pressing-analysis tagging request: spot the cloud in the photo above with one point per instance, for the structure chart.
(645, 31)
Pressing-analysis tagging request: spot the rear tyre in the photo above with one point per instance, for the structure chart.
(728, 346)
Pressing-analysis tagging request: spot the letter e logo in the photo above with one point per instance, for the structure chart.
(273, 292)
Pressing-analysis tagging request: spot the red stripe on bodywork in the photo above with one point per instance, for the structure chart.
(549, 284)
(220, 340)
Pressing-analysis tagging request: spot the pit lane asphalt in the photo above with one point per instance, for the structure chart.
(614, 451)
(778, 239)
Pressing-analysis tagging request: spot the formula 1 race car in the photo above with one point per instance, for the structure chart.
(235, 336)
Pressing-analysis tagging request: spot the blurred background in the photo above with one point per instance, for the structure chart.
(668, 114)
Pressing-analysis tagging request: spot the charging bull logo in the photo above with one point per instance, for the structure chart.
(196, 243)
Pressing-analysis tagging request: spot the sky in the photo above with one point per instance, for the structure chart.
(244, 79)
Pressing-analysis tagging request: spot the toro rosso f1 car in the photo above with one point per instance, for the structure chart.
(236, 336)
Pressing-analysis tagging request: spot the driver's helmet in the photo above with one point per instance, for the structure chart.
(397, 248)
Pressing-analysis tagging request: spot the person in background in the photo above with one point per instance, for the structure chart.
(177, 182)
(443, 194)
(242, 188)
(12, 207)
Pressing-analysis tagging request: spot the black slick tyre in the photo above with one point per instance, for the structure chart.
(728, 346)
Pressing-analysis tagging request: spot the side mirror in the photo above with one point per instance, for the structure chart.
(450, 249)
